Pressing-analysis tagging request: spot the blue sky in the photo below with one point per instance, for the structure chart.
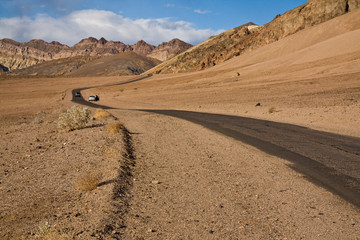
(155, 21)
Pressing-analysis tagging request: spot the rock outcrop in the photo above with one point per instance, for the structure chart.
(236, 41)
(142, 48)
(167, 50)
(15, 55)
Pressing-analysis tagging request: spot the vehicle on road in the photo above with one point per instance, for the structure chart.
(77, 94)
(92, 98)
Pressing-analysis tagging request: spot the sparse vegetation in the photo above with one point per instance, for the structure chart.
(40, 117)
(88, 181)
(74, 118)
(101, 113)
(113, 128)
(272, 110)
(38, 120)
(44, 227)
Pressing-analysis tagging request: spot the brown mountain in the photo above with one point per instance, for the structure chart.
(15, 55)
(248, 37)
(142, 48)
(125, 63)
(167, 50)
(93, 47)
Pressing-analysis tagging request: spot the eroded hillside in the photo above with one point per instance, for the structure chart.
(15, 55)
(236, 41)
(127, 63)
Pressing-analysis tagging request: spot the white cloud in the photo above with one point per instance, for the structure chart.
(202, 11)
(72, 28)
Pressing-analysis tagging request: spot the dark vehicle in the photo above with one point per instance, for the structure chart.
(77, 94)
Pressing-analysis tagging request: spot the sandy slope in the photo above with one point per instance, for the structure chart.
(188, 182)
(307, 77)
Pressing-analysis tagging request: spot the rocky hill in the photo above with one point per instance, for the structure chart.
(234, 42)
(15, 55)
(125, 63)
(167, 50)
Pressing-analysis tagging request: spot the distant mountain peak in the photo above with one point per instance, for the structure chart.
(13, 55)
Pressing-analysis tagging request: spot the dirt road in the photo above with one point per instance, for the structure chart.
(327, 159)
(206, 185)
(192, 183)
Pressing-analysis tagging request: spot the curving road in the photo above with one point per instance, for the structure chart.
(329, 160)
(82, 101)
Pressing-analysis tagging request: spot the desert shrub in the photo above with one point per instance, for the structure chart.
(44, 226)
(101, 113)
(74, 118)
(113, 128)
(272, 110)
(88, 181)
(38, 120)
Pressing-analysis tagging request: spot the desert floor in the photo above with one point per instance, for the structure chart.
(168, 178)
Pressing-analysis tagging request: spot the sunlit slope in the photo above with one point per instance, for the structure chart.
(335, 42)
(243, 39)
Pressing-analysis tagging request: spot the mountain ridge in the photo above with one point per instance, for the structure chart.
(121, 64)
(15, 55)
(234, 42)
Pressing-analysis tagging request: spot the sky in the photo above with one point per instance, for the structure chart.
(128, 21)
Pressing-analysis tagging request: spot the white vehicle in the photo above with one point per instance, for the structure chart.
(92, 98)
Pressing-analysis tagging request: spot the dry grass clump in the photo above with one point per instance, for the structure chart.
(88, 181)
(272, 110)
(74, 118)
(101, 113)
(113, 128)
(38, 120)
